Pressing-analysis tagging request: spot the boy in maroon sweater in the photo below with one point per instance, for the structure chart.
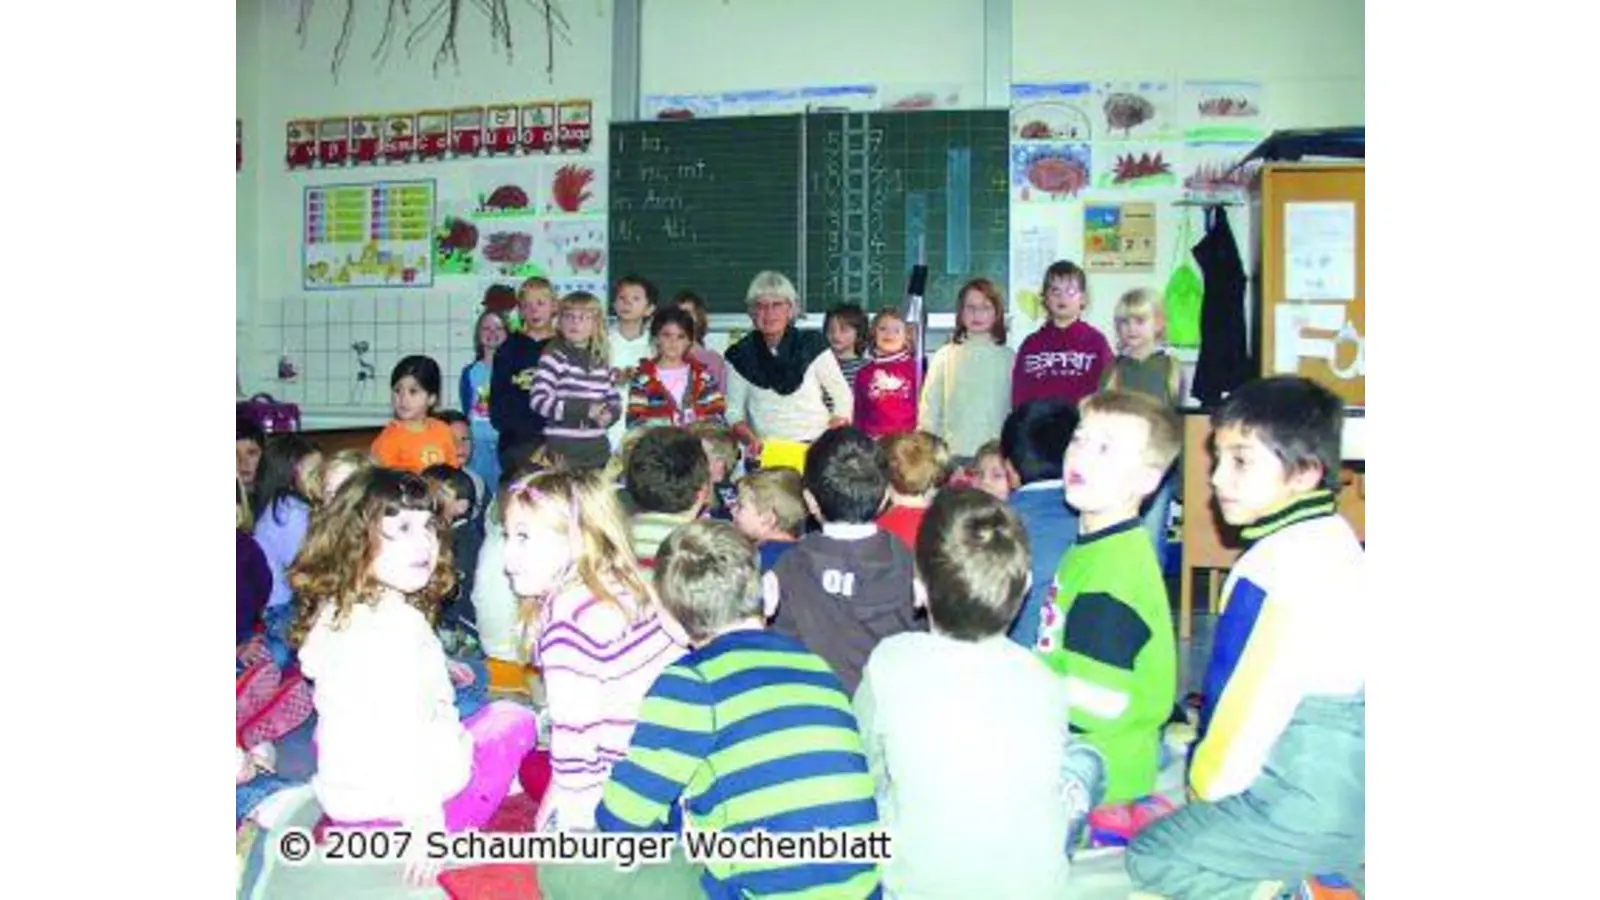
(1064, 359)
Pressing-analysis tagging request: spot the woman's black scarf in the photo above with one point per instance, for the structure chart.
(779, 372)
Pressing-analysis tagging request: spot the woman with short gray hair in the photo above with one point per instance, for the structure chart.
(779, 375)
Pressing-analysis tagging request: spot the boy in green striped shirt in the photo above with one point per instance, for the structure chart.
(749, 730)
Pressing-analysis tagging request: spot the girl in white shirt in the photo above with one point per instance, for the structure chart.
(391, 750)
(968, 392)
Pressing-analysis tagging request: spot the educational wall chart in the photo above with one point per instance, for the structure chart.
(367, 235)
(1119, 237)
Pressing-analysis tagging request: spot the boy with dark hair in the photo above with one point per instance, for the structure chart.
(749, 730)
(248, 442)
(466, 538)
(962, 706)
(842, 590)
(1107, 626)
(461, 432)
(668, 478)
(515, 363)
(1278, 776)
(1032, 442)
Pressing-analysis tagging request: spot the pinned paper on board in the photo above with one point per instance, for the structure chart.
(1033, 249)
(1319, 251)
(1317, 331)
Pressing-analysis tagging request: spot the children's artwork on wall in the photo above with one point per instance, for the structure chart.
(681, 106)
(571, 188)
(1135, 110)
(455, 243)
(1048, 172)
(1222, 111)
(910, 97)
(368, 235)
(505, 191)
(507, 250)
(1136, 166)
(1209, 172)
(1033, 249)
(1119, 237)
(575, 248)
(1058, 111)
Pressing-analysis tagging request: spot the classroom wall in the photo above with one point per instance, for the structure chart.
(290, 81)
(1310, 54)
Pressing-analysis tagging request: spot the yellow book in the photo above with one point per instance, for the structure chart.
(781, 454)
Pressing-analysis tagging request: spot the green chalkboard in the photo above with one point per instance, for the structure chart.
(706, 204)
(878, 184)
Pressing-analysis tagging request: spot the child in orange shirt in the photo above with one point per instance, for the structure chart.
(918, 466)
(412, 441)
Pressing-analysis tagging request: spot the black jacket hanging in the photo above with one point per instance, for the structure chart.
(1225, 361)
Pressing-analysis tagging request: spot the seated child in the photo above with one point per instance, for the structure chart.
(717, 752)
(843, 590)
(287, 487)
(1278, 778)
(466, 540)
(391, 749)
(722, 449)
(668, 479)
(771, 511)
(1033, 442)
(989, 471)
(414, 440)
(918, 466)
(494, 604)
(461, 432)
(961, 705)
(338, 468)
(594, 627)
(1107, 628)
(253, 581)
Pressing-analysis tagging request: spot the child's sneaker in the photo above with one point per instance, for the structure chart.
(1118, 824)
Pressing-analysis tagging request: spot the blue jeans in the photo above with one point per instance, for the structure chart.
(277, 619)
(474, 696)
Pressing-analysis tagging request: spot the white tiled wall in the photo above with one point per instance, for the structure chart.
(317, 333)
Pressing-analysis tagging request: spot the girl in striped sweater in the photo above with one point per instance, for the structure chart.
(674, 388)
(572, 388)
(592, 624)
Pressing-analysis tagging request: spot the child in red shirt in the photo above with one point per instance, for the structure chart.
(413, 441)
(918, 467)
(886, 399)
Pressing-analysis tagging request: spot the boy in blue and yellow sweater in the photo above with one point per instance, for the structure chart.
(1277, 780)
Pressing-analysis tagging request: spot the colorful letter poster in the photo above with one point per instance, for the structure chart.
(368, 235)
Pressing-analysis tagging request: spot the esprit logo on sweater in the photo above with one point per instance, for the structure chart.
(1063, 362)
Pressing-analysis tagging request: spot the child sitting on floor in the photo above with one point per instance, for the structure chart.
(669, 480)
(466, 541)
(414, 440)
(748, 731)
(843, 590)
(391, 749)
(593, 625)
(918, 466)
(722, 451)
(288, 485)
(989, 471)
(929, 720)
(1107, 627)
(1278, 778)
(1034, 441)
(771, 510)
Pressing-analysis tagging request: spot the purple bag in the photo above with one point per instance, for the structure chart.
(272, 416)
